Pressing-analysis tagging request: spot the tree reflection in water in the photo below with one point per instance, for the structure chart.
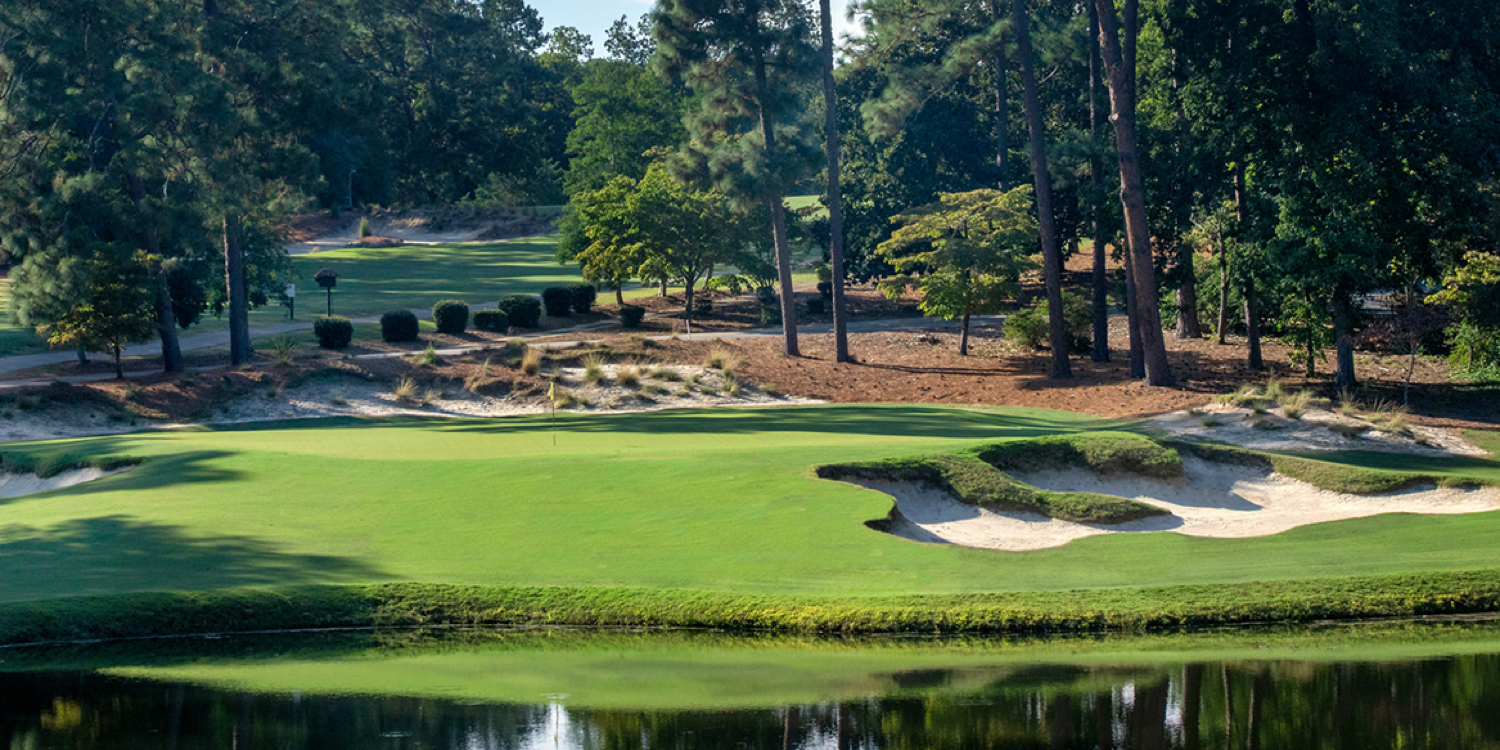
(1447, 703)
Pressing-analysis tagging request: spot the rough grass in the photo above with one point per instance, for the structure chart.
(1325, 475)
(419, 604)
(1100, 452)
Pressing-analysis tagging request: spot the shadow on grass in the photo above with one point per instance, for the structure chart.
(154, 473)
(115, 554)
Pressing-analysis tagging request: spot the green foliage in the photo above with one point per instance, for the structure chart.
(583, 297)
(622, 112)
(632, 315)
(333, 332)
(399, 325)
(493, 321)
(364, 227)
(522, 311)
(1028, 327)
(451, 316)
(558, 300)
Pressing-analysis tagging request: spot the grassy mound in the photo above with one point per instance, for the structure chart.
(976, 477)
(1100, 452)
(1325, 475)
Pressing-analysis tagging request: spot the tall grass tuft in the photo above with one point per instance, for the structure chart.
(531, 362)
(593, 369)
(282, 349)
(628, 375)
(406, 390)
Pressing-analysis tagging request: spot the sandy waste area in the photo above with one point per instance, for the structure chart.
(1316, 430)
(1212, 500)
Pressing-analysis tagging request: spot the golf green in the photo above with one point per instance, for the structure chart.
(720, 501)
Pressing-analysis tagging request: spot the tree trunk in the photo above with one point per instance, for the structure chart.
(1133, 323)
(835, 194)
(1192, 705)
(1188, 325)
(1051, 253)
(1096, 199)
(240, 351)
(83, 356)
(166, 322)
(619, 295)
(1223, 322)
(1252, 324)
(1343, 336)
(963, 337)
(119, 371)
(1002, 108)
(1133, 197)
(778, 216)
(687, 309)
(661, 288)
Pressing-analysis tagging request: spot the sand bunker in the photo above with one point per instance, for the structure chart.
(18, 485)
(1213, 500)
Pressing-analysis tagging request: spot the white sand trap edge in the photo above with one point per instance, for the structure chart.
(20, 485)
(1213, 500)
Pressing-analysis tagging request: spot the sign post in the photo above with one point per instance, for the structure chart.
(327, 279)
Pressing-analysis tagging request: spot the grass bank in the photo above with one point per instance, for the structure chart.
(710, 518)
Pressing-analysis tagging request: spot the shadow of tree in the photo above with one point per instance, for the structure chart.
(116, 554)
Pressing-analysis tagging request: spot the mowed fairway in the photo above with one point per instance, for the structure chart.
(377, 280)
(718, 501)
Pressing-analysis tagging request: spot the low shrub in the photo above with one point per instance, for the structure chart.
(399, 325)
(632, 315)
(364, 228)
(584, 296)
(494, 321)
(558, 300)
(816, 306)
(451, 316)
(1027, 328)
(522, 311)
(333, 332)
(703, 307)
(825, 288)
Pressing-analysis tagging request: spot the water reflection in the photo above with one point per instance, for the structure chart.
(1436, 703)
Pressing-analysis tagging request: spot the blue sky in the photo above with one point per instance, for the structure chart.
(593, 17)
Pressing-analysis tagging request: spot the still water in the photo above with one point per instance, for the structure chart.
(1402, 686)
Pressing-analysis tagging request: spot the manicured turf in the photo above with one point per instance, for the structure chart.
(719, 501)
(376, 280)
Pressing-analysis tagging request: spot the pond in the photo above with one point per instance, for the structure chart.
(1387, 685)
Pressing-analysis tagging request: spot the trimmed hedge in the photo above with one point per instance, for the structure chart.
(333, 332)
(558, 300)
(523, 311)
(584, 297)
(399, 325)
(451, 316)
(632, 315)
(494, 321)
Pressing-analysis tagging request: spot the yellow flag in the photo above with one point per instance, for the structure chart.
(552, 392)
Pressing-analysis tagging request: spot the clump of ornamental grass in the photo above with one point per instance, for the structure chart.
(531, 362)
(593, 369)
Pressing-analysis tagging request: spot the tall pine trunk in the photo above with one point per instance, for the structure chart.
(240, 351)
(1247, 287)
(1133, 198)
(1133, 318)
(1223, 322)
(1188, 325)
(835, 195)
(1096, 199)
(774, 202)
(1132, 321)
(1343, 336)
(1002, 108)
(1051, 253)
(166, 321)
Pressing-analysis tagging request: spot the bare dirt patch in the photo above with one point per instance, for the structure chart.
(1212, 500)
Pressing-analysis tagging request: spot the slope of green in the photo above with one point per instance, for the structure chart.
(721, 502)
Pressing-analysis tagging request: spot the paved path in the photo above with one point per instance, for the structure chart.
(222, 339)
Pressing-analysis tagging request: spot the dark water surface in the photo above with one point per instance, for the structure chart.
(1409, 686)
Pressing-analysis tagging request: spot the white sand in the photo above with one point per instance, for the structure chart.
(1214, 500)
(18, 485)
(1232, 424)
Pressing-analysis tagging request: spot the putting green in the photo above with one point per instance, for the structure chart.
(716, 501)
